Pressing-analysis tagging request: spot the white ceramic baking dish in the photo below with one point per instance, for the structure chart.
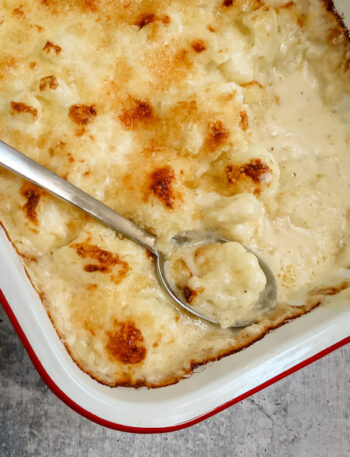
(208, 391)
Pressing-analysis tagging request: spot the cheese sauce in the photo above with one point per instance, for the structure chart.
(230, 116)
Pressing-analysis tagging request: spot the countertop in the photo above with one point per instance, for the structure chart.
(306, 414)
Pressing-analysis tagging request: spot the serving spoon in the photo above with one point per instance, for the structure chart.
(22, 165)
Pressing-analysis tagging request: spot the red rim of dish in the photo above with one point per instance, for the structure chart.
(125, 428)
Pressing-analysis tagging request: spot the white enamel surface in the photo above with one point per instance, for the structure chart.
(208, 388)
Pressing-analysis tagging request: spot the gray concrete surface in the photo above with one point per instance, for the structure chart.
(305, 415)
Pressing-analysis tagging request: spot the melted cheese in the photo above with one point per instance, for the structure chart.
(181, 115)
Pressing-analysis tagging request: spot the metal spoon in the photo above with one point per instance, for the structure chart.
(32, 171)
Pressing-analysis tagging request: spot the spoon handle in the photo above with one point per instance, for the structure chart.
(22, 165)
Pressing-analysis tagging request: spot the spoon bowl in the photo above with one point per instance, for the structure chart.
(267, 298)
(32, 171)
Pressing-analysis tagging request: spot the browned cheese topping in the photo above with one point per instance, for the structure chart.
(227, 115)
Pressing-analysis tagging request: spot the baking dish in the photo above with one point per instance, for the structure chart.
(183, 404)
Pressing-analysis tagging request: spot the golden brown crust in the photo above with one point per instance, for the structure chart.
(82, 114)
(198, 46)
(149, 18)
(218, 134)
(49, 46)
(189, 294)
(247, 176)
(32, 193)
(48, 82)
(161, 185)
(137, 112)
(125, 343)
(165, 142)
(20, 107)
(105, 260)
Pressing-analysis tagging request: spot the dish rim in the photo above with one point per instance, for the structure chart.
(344, 14)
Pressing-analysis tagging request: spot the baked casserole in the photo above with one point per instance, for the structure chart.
(229, 115)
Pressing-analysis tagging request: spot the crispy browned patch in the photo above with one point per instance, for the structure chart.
(138, 111)
(90, 268)
(244, 123)
(33, 194)
(198, 46)
(145, 19)
(161, 185)
(70, 158)
(211, 29)
(49, 46)
(18, 13)
(105, 260)
(333, 290)
(253, 169)
(82, 114)
(190, 294)
(148, 18)
(165, 19)
(85, 250)
(150, 255)
(19, 108)
(227, 3)
(217, 135)
(48, 82)
(125, 343)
